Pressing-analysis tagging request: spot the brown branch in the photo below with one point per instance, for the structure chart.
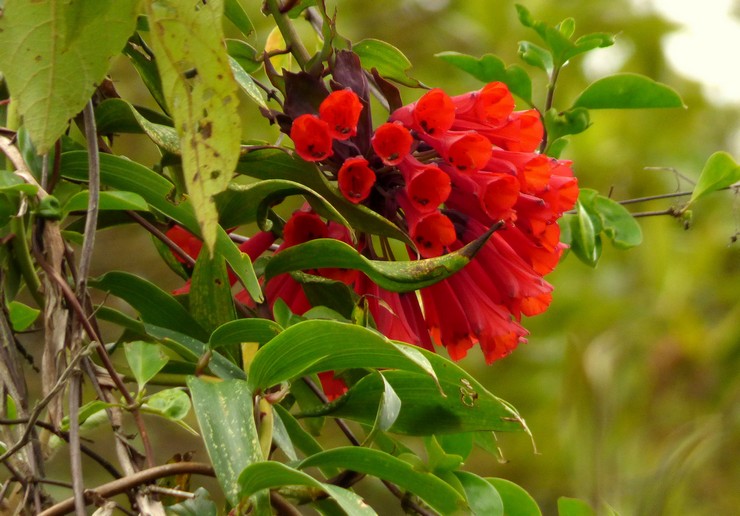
(130, 482)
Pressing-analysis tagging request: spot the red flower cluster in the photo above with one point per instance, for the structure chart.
(464, 163)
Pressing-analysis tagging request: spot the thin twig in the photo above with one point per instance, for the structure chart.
(155, 231)
(93, 185)
(131, 481)
(655, 197)
(75, 456)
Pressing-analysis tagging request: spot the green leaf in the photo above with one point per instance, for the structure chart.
(172, 404)
(388, 410)
(482, 496)
(21, 316)
(146, 65)
(240, 264)
(574, 507)
(246, 83)
(202, 95)
(145, 360)
(244, 330)
(628, 91)
(271, 475)
(155, 306)
(319, 345)
(210, 300)
(238, 16)
(720, 171)
(118, 116)
(11, 182)
(458, 443)
(437, 493)
(244, 54)
(572, 121)
(403, 276)
(54, 57)
(535, 55)
(589, 42)
(517, 502)
(387, 59)
(200, 505)
(107, 201)
(464, 406)
(330, 294)
(586, 242)
(281, 437)
(86, 412)
(225, 413)
(490, 68)
(618, 223)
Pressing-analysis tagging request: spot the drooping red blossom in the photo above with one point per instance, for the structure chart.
(432, 232)
(341, 111)
(312, 138)
(392, 143)
(355, 179)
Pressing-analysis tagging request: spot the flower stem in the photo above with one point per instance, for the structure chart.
(292, 40)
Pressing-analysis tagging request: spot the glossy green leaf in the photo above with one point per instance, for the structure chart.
(244, 330)
(21, 315)
(618, 223)
(145, 360)
(386, 59)
(210, 299)
(482, 496)
(304, 441)
(319, 345)
(272, 475)
(435, 492)
(118, 116)
(225, 413)
(458, 443)
(403, 276)
(172, 404)
(465, 406)
(276, 164)
(574, 507)
(628, 91)
(202, 95)
(246, 83)
(439, 461)
(517, 502)
(155, 306)
(490, 68)
(236, 14)
(720, 171)
(535, 55)
(54, 57)
(112, 200)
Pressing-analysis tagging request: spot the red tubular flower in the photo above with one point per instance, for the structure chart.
(491, 105)
(467, 152)
(186, 241)
(312, 138)
(356, 179)
(341, 111)
(433, 114)
(302, 227)
(523, 132)
(431, 232)
(392, 143)
(427, 186)
(495, 192)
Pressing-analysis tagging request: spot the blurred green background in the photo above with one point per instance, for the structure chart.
(629, 382)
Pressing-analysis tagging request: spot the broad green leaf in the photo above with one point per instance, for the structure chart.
(201, 92)
(490, 68)
(246, 83)
(402, 276)
(155, 306)
(465, 406)
(458, 443)
(21, 315)
(435, 492)
(535, 55)
(320, 345)
(272, 475)
(276, 164)
(225, 413)
(439, 461)
(112, 200)
(172, 404)
(210, 299)
(720, 171)
(572, 121)
(387, 59)
(517, 502)
(118, 116)
(54, 57)
(482, 496)
(238, 16)
(618, 223)
(304, 441)
(145, 360)
(628, 91)
(574, 507)
(200, 505)
(244, 330)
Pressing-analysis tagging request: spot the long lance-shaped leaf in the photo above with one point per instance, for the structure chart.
(434, 491)
(53, 57)
(319, 345)
(272, 475)
(464, 406)
(225, 413)
(394, 276)
(187, 39)
(118, 116)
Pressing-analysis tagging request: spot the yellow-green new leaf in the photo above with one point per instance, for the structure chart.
(201, 92)
(55, 53)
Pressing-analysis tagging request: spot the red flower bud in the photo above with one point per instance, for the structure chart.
(392, 142)
(341, 110)
(356, 179)
(311, 137)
